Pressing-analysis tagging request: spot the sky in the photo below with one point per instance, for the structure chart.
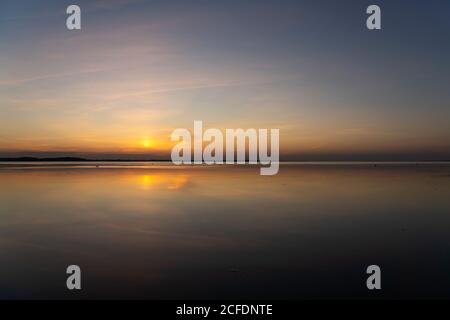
(137, 70)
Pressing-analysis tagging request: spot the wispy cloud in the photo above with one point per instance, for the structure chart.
(113, 4)
(22, 81)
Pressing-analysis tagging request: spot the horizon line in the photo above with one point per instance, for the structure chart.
(81, 159)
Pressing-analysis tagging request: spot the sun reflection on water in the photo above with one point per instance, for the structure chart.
(160, 181)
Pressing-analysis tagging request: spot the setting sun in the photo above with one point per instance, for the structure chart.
(147, 143)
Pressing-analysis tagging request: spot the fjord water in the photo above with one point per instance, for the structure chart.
(153, 231)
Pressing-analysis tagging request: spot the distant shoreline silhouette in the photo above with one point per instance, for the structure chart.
(79, 159)
(73, 159)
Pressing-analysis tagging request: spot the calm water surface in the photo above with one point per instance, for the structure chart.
(154, 231)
